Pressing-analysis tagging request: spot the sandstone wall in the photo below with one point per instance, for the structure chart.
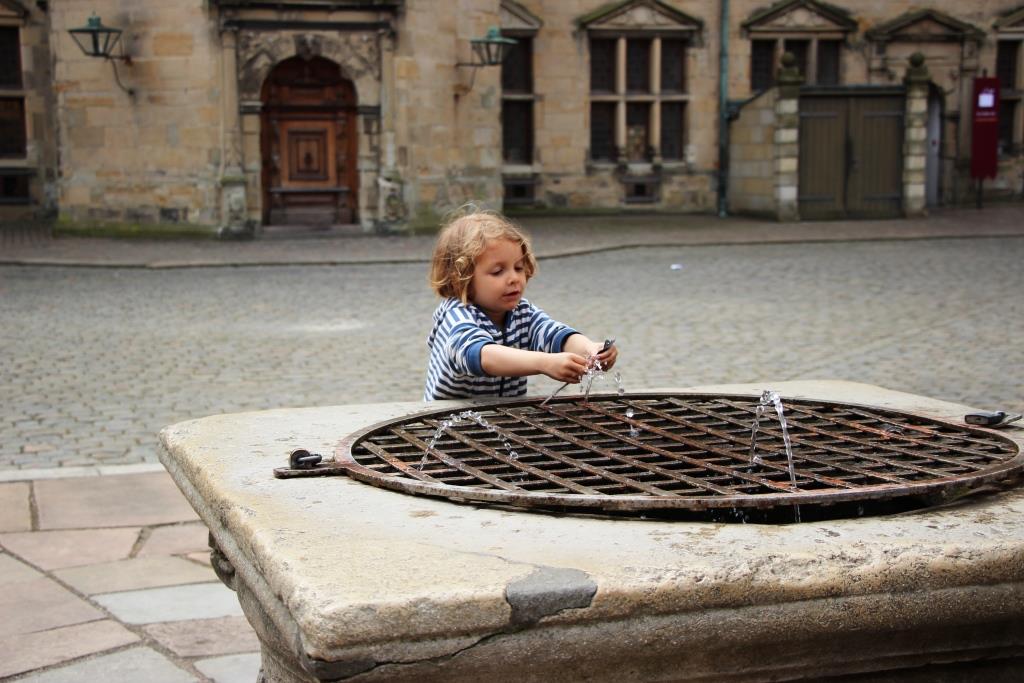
(36, 92)
(952, 67)
(148, 158)
(159, 157)
(752, 157)
(447, 136)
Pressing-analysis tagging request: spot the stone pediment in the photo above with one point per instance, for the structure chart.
(1011, 23)
(515, 17)
(329, 5)
(925, 26)
(12, 9)
(803, 16)
(639, 15)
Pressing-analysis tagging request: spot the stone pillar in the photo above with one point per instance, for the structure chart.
(787, 140)
(915, 138)
(390, 210)
(233, 203)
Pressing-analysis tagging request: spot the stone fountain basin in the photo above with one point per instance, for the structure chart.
(347, 581)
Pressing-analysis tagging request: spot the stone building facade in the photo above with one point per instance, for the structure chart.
(246, 116)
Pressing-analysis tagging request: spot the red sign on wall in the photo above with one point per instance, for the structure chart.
(985, 128)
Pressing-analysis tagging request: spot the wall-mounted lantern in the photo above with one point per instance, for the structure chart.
(97, 40)
(491, 50)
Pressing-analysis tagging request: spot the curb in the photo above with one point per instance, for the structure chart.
(567, 253)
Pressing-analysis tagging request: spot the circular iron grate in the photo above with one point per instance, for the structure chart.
(672, 453)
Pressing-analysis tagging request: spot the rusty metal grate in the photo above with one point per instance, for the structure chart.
(690, 453)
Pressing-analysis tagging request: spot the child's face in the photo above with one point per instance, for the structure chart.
(499, 279)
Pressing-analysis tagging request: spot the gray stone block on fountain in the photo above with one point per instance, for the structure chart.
(546, 592)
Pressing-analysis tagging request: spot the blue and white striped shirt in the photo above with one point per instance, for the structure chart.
(460, 333)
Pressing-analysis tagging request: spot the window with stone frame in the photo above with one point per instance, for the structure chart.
(517, 99)
(520, 175)
(814, 32)
(12, 99)
(762, 64)
(13, 137)
(12, 128)
(10, 58)
(638, 98)
(818, 59)
(1008, 71)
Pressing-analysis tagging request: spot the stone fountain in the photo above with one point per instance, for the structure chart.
(343, 580)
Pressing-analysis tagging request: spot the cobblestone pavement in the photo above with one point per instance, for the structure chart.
(96, 361)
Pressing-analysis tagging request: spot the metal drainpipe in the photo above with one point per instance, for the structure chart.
(723, 104)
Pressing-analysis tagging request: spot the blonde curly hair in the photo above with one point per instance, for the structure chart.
(464, 236)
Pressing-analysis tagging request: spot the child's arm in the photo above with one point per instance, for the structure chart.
(583, 346)
(503, 361)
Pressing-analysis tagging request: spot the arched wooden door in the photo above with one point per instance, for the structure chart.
(308, 144)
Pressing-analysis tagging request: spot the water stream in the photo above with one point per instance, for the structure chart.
(465, 416)
(772, 398)
(621, 391)
(594, 371)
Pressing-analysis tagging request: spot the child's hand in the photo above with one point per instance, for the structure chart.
(607, 359)
(565, 367)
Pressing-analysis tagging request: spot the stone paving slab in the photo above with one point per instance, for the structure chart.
(176, 603)
(134, 574)
(130, 500)
(177, 539)
(205, 637)
(40, 473)
(231, 669)
(13, 571)
(41, 604)
(15, 511)
(202, 558)
(50, 550)
(129, 666)
(29, 651)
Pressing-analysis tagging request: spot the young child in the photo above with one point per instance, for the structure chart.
(487, 338)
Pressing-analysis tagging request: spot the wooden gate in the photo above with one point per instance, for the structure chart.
(851, 155)
(308, 143)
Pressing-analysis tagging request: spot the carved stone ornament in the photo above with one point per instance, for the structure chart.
(1011, 24)
(516, 17)
(308, 47)
(803, 16)
(926, 25)
(800, 18)
(392, 209)
(357, 53)
(639, 15)
(12, 9)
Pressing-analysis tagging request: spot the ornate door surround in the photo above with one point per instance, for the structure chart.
(308, 145)
(357, 48)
